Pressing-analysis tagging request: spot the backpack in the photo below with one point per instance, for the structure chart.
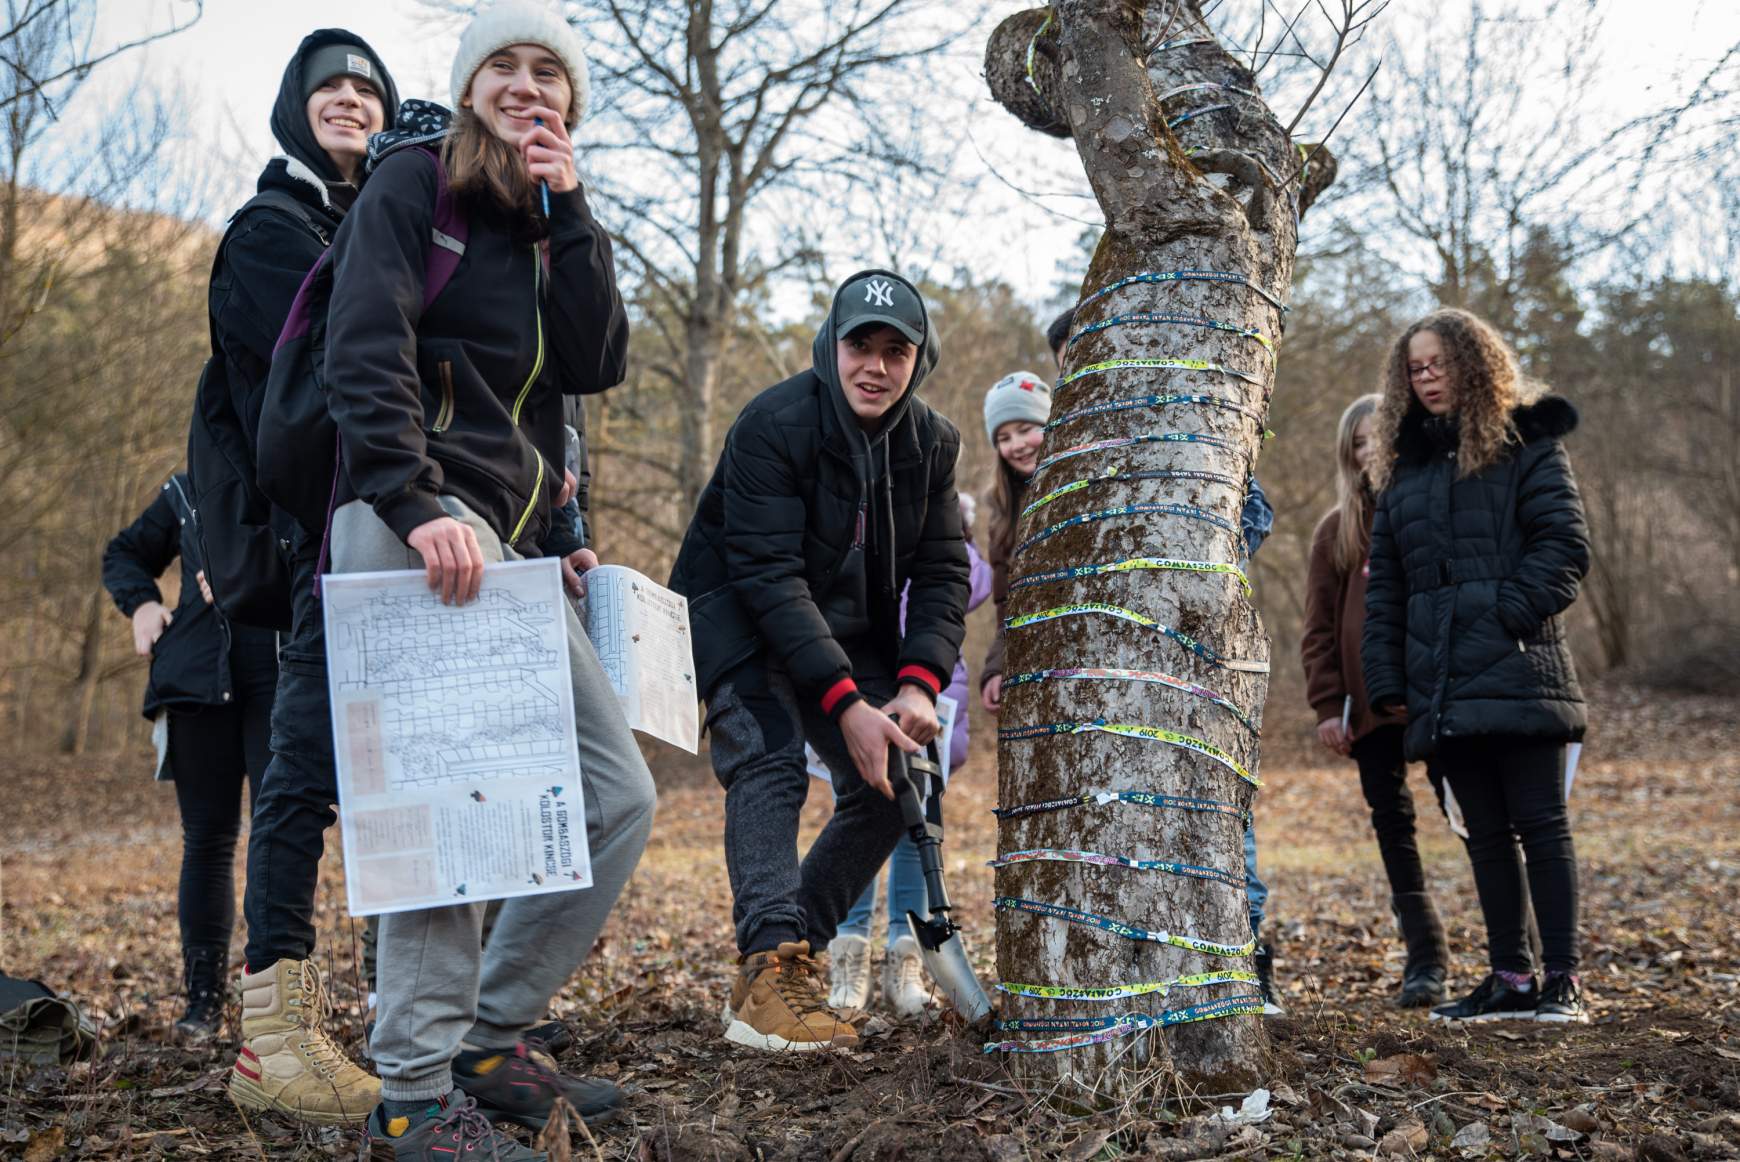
(245, 544)
(301, 458)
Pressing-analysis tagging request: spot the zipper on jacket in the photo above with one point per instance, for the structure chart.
(538, 317)
(444, 417)
(537, 490)
(526, 390)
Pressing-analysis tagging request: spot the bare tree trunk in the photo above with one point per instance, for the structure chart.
(1080, 70)
(90, 675)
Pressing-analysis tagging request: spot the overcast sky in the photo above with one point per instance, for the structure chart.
(228, 65)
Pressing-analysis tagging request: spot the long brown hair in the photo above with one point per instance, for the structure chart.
(1353, 496)
(482, 168)
(1006, 490)
(1484, 382)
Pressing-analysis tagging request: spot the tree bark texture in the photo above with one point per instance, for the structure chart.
(1155, 106)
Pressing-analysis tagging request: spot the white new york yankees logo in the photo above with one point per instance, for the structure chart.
(879, 292)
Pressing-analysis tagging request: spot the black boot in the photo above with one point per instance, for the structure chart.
(1423, 933)
(203, 978)
(1265, 965)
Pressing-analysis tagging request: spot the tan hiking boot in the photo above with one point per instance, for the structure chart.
(288, 1064)
(778, 1002)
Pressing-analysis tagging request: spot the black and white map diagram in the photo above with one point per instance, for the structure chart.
(452, 724)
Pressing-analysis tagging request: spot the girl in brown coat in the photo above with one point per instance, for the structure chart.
(1347, 725)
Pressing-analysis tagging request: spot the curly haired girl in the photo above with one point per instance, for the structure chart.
(1478, 547)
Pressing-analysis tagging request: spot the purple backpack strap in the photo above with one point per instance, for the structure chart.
(447, 237)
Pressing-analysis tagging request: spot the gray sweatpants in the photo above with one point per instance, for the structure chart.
(757, 729)
(439, 985)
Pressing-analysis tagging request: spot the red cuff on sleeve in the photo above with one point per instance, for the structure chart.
(923, 676)
(836, 692)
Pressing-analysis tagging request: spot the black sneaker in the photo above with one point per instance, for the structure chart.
(1265, 963)
(551, 1037)
(1562, 1000)
(443, 1135)
(1494, 999)
(515, 1086)
(1421, 987)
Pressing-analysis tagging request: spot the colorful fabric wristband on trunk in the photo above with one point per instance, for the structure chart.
(1064, 992)
(1063, 855)
(1152, 401)
(1119, 475)
(1085, 1031)
(1140, 798)
(1119, 928)
(1165, 276)
(1131, 441)
(1131, 730)
(1206, 653)
(1152, 676)
(1183, 510)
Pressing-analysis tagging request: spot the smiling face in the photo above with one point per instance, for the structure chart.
(512, 83)
(875, 366)
(1431, 374)
(1364, 447)
(342, 113)
(1018, 443)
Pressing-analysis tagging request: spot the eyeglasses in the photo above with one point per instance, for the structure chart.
(1434, 369)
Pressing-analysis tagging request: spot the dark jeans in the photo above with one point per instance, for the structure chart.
(1512, 791)
(757, 729)
(293, 806)
(1383, 776)
(213, 750)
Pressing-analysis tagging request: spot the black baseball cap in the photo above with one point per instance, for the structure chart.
(876, 298)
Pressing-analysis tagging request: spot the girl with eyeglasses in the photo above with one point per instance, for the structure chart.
(1478, 547)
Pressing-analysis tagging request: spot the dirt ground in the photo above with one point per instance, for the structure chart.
(90, 851)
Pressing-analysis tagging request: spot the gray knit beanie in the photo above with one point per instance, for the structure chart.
(509, 22)
(1020, 395)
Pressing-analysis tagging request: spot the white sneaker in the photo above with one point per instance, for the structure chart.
(903, 982)
(848, 973)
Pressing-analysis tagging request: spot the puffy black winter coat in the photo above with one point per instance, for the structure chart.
(788, 553)
(1469, 578)
(201, 659)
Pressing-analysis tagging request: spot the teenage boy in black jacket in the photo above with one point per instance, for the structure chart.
(835, 490)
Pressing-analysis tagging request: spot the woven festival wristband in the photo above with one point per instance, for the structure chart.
(1166, 276)
(1119, 928)
(1064, 992)
(1189, 511)
(1119, 475)
(1130, 442)
(1065, 855)
(1140, 798)
(1079, 609)
(1131, 730)
(1135, 565)
(1150, 676)
(1111, 1028)
(1110, 365)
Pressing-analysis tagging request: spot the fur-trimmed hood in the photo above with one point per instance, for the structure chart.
(1422, 435)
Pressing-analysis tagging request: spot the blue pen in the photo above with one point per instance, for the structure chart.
(543, 187)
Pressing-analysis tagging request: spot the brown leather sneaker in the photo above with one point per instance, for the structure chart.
(779, 1002)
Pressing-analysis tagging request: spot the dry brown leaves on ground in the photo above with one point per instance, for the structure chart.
(91, 852)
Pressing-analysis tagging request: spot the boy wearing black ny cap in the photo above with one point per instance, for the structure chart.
(835, 490)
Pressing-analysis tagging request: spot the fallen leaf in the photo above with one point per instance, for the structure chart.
(46, 1145)
(1412, 1068)
(1727, 1053)
(1472, 1137)
(1407, 1138)
(1086, 1146)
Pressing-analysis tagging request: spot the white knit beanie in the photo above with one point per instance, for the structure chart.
(508, 22)
(1020, 395)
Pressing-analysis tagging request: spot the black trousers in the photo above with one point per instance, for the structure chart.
(757, 728)
(1512, 793)
(213, 751)
(294, 804)
(1383, 777)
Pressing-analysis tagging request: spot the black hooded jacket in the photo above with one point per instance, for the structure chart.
(464, 398)
(1469, 577)
(271, 244)
(201, 659)
(809, 530)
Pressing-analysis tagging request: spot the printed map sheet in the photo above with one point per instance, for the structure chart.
(640, 630)
(453, 730)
